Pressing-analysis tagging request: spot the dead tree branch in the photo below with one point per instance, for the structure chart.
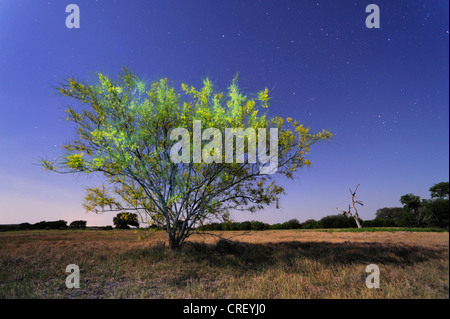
(348, 212)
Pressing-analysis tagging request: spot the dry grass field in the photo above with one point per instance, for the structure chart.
(267, 264)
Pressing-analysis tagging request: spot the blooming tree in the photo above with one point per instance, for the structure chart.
(125, 131)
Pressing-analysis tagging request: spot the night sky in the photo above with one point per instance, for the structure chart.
(382, 92)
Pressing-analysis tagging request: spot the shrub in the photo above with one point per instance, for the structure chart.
(78, 224)
(380, 222)
(293, 224)
(311, 224)
(337, 221)
(211, 227)
(246, 225)
(256, 225)
(59, 224)
(125, 220)
(25, 226)
(438, 213)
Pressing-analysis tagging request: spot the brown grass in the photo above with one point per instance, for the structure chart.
(270, 264)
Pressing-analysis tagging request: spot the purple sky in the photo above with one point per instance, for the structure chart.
(382, 92)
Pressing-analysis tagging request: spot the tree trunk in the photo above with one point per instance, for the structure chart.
(175, 241)
(174, 244)
(357, 222)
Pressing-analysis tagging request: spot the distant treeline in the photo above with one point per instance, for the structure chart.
(333, 221)
(426, 214)
(58, 224)
(415, 213)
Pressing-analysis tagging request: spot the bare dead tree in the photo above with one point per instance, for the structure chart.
(353, 205)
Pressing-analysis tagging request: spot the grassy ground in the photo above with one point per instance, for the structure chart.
(267, 264)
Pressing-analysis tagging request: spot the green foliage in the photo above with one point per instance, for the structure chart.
(417, 212)
(212, 227)
(122, 131)
(337, 221)
(293, 224)
(437, 213)
(440, 190)
(232, 226)
(311, 224)
(246, 225)
(393, 213)
(78, 224)
(381, 222)
(290, 224)
(257, 225)
(59, 224)
(25, 226)
(251, 225)
(410, 202)
(392, 229)
(125, 220)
